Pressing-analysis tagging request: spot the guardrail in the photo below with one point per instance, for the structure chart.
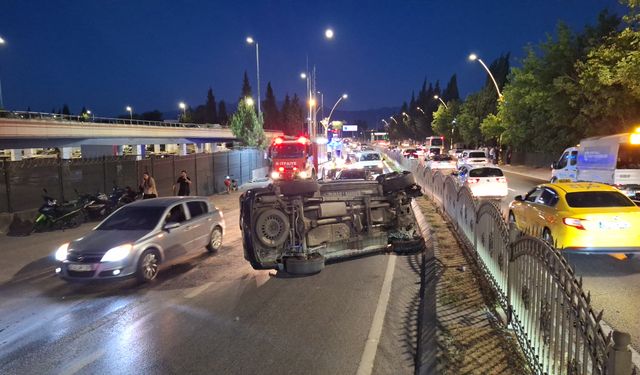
(26, 115)
(546, 306)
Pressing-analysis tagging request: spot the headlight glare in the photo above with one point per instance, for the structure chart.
(117, 253)
(61, 253)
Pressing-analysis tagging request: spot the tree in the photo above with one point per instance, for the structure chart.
(451, 92)
(154, 115)
(246, 125)
(210, 111)
(296, 116)
(270, 107)
(443, 121)
(286, 115)
(246, 87)
(65, 110)
(223, 117)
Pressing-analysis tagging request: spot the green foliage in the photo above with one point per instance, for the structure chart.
(443, 121)
(246, 125)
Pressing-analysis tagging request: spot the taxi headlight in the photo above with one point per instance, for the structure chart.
(61, 253)
(117, 253)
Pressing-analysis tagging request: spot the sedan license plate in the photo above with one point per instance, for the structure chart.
(80, 267)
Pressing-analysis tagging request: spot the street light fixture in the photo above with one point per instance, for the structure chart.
(250, 40)
(249, 101)
(394, 120)
(130, 110)
(2, 42)
(474, 57)
(406, 114)
(303, 75)
(420, 109)
(441, 101)
(341, 98)
(183, 107)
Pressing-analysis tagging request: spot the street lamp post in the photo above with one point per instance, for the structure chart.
(344, 96)
(2, 42)
(406, 114)
(130, 110)
(394, 120)
(251, 41)
(441, 101)
(183, 107)
(321, 105)
(453, 126)
(474, 57)
(420, 109)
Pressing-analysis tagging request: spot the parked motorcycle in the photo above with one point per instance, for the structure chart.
(128, 196)
(100, 205)
(52, 215)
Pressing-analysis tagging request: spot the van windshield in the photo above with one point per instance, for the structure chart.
(436, 142)
(628, 157)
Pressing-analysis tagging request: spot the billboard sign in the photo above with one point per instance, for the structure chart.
(349, 128)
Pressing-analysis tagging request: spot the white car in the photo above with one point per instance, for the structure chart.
(472, 157)
(369, 160)
(484, 181)
(441, 162)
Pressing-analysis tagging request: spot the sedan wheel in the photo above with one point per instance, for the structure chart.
(215, 242)
(148, 266)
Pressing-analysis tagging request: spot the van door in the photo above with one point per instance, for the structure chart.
(561, 169)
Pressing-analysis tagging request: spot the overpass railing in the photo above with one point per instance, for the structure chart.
(27, 115)
(545, 303)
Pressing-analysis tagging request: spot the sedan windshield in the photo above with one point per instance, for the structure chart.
(477, 154)
(598, 199)
(369, 157)
(133, 218)
(486, 172)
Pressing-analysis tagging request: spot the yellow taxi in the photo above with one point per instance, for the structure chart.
(581, 217)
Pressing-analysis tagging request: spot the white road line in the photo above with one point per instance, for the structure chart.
(371, 345)
(510, 189)
(197, 290)
(75, 367)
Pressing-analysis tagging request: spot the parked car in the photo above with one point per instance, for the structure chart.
(580, 217)
(137, 238)
(484, 181)
(441, 162)
(472, 157)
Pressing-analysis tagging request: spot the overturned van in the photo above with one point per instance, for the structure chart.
(296, 226)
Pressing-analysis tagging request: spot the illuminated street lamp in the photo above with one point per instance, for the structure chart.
(303, 75)
(2, 42)
(441, 101)
(183, 107)
(420, 109)
(406, 114)
(394, 120)
(341, 98)
(130, 110)
(251, 41)
(312, 102)
(474, 57)
(249, 101)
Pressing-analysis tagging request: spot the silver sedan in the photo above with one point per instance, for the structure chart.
(137, 238)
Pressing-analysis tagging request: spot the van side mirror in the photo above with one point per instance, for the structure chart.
(554, 165)
(169, 226)
(519, 198)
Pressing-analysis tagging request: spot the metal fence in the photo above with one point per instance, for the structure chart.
(545, 303)
(22, 181)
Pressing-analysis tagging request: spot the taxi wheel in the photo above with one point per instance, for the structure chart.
(547, 237)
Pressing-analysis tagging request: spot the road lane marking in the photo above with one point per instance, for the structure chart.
(371, 346)
(82, 363)
(510, 189)
(197, 290)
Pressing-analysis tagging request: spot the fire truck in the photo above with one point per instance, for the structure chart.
(291, 158)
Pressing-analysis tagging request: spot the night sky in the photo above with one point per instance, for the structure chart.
(151, 54)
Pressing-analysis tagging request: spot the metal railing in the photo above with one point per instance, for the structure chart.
(546, 306)
(25, 115)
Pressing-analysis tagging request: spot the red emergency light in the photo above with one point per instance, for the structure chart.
(281, 169)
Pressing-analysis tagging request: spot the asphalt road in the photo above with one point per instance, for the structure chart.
(614, 284)
(212, 314)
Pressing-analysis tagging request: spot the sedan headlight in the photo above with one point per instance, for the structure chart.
(61, 253)
(117, 253)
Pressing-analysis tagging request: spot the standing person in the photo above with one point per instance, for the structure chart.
(492, 155)
(183, 183)
(509, 155)
(148, 186)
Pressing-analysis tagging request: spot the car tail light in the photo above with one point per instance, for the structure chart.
(502, 179)
(281, 169)
(573, 222)
(473, 180)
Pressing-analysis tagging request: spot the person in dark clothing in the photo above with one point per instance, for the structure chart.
(509, 155)
(183, 184)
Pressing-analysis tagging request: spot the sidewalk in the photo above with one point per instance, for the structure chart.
(23, 258)
(543, 174)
